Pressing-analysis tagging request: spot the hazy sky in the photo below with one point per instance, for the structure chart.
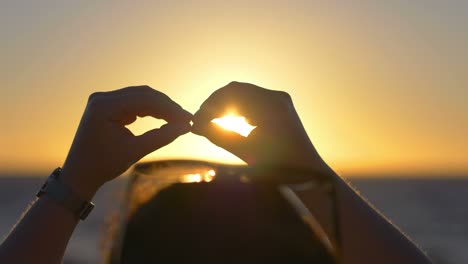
(380, 86)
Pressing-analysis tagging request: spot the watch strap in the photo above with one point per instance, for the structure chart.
(63, 195)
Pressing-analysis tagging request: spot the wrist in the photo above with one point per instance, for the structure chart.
(305, 157)
(77, 182)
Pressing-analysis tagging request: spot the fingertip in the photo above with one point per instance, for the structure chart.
(178, 128)
(185, 128)
(186, 115)
(178, 114)
(202, 117)
(186, 119)
(197, 128)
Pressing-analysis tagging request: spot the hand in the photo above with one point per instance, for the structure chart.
(104, 148)
(279, 138)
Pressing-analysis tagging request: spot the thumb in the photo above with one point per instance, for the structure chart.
(159, 137)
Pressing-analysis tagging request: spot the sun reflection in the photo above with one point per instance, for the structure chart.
(234, 123)
(198, 177)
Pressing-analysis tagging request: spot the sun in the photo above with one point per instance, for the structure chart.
(234, 123)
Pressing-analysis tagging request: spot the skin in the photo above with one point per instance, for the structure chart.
(103, 149)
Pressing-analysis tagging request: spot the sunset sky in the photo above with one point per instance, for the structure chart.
(381, 86)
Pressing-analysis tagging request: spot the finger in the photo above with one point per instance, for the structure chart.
(145, 101)
(158, 138)
(229, 140)
(257, 104)
(207, 113)
(126, 119)
(123, 91)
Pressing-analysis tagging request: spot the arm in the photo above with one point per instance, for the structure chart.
(280, 139)
(367, 236)
(102, 149)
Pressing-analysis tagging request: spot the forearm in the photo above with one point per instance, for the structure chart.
(42, 234)
(367, 237)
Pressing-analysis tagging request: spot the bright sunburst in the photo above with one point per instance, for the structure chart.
(234, 123)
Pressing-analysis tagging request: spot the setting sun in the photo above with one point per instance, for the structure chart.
(234, 123)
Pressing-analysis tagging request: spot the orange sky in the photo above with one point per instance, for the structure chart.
(381, 87)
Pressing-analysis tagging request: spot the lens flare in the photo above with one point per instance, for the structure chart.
(234, 123)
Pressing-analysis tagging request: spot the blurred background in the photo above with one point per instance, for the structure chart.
(381, 87)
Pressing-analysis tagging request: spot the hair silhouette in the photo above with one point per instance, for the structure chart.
(223, 222)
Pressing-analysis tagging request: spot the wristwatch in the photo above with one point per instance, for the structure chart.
(62, 194)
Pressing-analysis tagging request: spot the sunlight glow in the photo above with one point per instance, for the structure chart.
(234, 123)
(143, 124)
(353, 74)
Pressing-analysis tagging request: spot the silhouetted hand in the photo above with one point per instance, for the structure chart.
(279, 138)
(104, 148)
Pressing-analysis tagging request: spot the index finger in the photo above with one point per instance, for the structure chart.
(257, 104)
(145, 101)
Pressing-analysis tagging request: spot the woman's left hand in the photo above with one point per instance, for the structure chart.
(104, 148)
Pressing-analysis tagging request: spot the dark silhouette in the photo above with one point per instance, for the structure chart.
(103, 149)
(219, 222)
